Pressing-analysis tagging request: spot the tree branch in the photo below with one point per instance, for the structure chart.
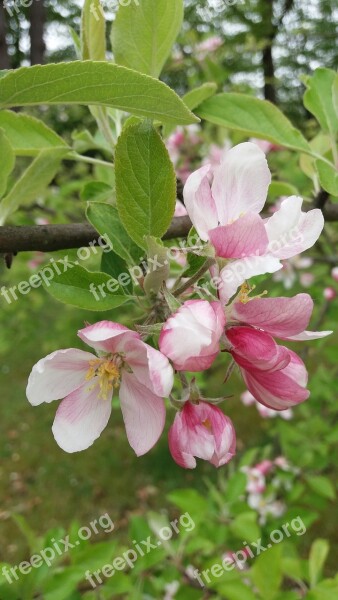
(50, 238)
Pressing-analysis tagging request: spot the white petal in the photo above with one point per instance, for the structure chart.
(57, 375)
(143, 414)
(81, 418)
(241, 182)
(238, 271)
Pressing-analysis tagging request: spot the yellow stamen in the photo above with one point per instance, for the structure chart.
(207, 424)
(108, 371)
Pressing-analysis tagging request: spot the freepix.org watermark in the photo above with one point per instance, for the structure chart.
(15, 6)
(140, 548)
(239, 559)
(58, 548)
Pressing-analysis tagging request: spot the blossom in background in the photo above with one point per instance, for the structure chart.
(201, 431)
(265, 412)
(274, 375)
(329, 293)
(87, 383)
(211, 44)
(224, 203)
(191, 336)
(334, 273)
(289, 275)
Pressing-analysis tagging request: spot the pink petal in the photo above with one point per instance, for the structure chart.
(81, 418)
(150, 367)
(57, 375)
(199, 202)
(291, 231)
(254, 349)
(280, 389)
(143, 414)
(241, 182)
(245, 237)
(281, 317)
(308, 335)
(106, 335)
(238, 271)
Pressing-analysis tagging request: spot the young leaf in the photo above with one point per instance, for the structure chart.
(106, 220)
(254, 117)
(195, 97)
(145, 183)
(7, 161)
(116, 267)
(94, 83)
(318, 555)
(266, 572)
(158, 263)
(33, 181)
(84, 289)
(318, 99)
(27, 135)
(93, 31)
(144, 32)
(328, 177)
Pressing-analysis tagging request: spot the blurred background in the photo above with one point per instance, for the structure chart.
(264, 48)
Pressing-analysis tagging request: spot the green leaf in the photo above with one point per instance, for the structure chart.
(97, 191)
(325, 590)
(254, 117)
(266, 572)
(115, 266)
(33, 181)
(281, 188)
(195, 97)
(145, 183)
(322, 486)
(106, 220)
(318, 99)
(144, 32)
(81, 288)
(28, 135)
(7, 161)
(335, 94)
(93, 31)
(318, 555)
(245, 527)
(328, 177)
(94, 83)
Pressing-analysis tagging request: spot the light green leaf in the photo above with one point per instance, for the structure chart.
(116, 267)
(318, 555)
(254, 117)
(7, 161)
(322, 486)
(93, 31)
(335, 94)
(81, 288)
(94, 83)
(195, 97)
(27, 135)
(318, 99)
(245, 527)
(33, 181)
(97, 191)
(144, 33)
(266, 572)
(106, 220)
(145, 183)
(328, 177)
(281, 188)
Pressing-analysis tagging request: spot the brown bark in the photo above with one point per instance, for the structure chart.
(37, 17)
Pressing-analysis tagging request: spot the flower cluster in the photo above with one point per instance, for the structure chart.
(224, 203)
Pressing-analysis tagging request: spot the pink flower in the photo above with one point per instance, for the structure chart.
(211, 44)
(224, 203)
(274, 375)
(265, 412)
(190, 337)
(87, 383)
(201, 431)
(329, 293)
(180, 210)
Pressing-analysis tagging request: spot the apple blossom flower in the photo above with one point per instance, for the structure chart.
(274, 375)
(329, 293)
(190, 337)
(288, 275)
(202, 431)
(180, 210)
(224, 203)
(211, 44)
(87, 382)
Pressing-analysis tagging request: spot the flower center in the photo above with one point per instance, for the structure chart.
(207, 424)
(108, 371)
